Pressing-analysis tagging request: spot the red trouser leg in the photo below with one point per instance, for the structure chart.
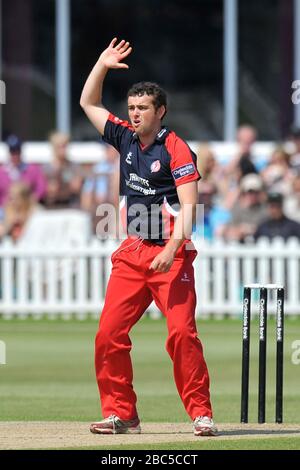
(127, 297)
(174, 294)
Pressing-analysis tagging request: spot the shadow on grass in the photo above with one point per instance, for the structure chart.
(260, 432)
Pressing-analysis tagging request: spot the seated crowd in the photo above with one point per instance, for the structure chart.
(243, 199)
(249, 198)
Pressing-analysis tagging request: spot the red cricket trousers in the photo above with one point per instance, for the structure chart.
(132, 287)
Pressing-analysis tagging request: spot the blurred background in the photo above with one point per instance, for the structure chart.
(180, 44)
(228, 67)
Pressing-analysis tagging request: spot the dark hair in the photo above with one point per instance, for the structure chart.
(14, 143)
(295, 131)
(275, 198)
(150, 89)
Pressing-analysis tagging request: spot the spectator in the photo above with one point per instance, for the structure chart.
(211, 191)
(17, 170)
(206, 193)
(213, 214)
(295, 158)
(20, 206)
(277, 224)
(102, 186)
(278, 175)
(241, 165)
(248, 212)
(210, 169)
(292, 201)
(207, 165)
(246, 137)
(63, 177)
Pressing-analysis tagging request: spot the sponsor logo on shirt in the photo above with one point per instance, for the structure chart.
(155, 166)
(140, 184)
(140, 189)
(135, 177)
(128, 158)
(184, 170)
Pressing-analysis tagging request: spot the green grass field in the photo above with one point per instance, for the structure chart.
(49, 375)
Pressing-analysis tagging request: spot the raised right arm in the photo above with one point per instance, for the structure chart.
(91, 96)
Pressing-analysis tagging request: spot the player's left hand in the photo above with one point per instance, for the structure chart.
(163, 261)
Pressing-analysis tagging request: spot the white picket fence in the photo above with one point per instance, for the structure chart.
(66, 280)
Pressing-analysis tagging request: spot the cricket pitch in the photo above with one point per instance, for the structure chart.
(59, 435)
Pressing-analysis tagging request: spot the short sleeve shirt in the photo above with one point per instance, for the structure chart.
(149, 178)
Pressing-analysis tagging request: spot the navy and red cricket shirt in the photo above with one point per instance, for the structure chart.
(149, 177)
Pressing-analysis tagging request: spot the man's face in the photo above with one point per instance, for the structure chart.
(61, 150)
(275, 210)
(15, 157)
(296, 140)
(142, 114)
(251, 198)
(246, 137)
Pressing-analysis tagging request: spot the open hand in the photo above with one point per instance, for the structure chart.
(112, 56)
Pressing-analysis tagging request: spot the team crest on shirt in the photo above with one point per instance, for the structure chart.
(155, 166)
